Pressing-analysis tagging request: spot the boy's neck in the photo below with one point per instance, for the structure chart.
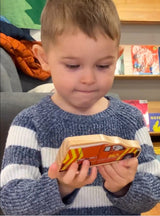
(98, 107)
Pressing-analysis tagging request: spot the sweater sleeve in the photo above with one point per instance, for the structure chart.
(144, 192)
(24, 189)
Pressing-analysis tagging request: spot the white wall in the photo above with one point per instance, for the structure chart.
(140, 34)
(139, 89)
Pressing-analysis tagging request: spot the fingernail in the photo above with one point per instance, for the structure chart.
(86, 162)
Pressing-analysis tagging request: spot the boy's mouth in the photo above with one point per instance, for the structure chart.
(85, 91)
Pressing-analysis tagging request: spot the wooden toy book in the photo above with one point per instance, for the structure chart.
(98, 149)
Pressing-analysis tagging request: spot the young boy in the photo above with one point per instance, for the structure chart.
(80, 47)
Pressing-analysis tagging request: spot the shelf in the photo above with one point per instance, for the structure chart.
(156, 144)
(137, 77)
(138, 11)
(155, 133)
(154, 106)
(153, 211)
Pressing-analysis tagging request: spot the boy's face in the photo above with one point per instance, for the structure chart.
(82, 69)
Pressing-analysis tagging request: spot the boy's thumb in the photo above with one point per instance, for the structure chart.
(53, 171)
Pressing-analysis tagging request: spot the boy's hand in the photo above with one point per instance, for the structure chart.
(72, 178)
(118, 175)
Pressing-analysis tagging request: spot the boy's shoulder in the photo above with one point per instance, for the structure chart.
(123, 108)
(33, 111)
(127, 115)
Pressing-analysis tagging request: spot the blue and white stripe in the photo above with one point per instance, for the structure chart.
(32, 144)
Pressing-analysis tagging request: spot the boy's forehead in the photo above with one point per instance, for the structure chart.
(74, 31)
(77, 41)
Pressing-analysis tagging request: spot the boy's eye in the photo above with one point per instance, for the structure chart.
(103, 66)
(71, 66)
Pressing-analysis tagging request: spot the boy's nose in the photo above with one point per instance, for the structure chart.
(88, 77)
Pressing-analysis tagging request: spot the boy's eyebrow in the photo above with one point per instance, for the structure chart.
(70, 57)
(103, 58)
(107, 57)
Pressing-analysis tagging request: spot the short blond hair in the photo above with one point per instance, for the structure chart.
(88, 15)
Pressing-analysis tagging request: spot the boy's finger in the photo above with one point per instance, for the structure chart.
(93, 175)
(53, 171)
(129, 162)
(83, 173)
(102, 171)
(71, 172)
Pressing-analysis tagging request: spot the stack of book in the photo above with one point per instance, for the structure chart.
(139, 60)
(152, 120)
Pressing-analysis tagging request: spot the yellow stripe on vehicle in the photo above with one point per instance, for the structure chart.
(123, 154)
(72, 158)
(131, 150)
(66, 158)
(135, 151)
(80, 150)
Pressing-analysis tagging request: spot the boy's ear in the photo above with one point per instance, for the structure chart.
(40, 54)
(120, 52)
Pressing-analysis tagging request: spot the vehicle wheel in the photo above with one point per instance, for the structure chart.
(127, 156)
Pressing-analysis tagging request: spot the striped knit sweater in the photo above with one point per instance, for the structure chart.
(33, 140)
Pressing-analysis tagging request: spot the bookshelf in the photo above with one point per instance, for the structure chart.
(139, 62)
(135, 11)
(142, 12)
(140, 18)
(153, 107)
(137, 77)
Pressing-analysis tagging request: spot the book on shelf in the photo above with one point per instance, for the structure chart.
(154, 122)
(120, 66)
(142, 105)
(154, 125)
(139, 60)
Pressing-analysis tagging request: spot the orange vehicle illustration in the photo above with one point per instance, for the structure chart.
(98, 149)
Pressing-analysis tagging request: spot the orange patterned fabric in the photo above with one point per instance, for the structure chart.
(22, 55)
